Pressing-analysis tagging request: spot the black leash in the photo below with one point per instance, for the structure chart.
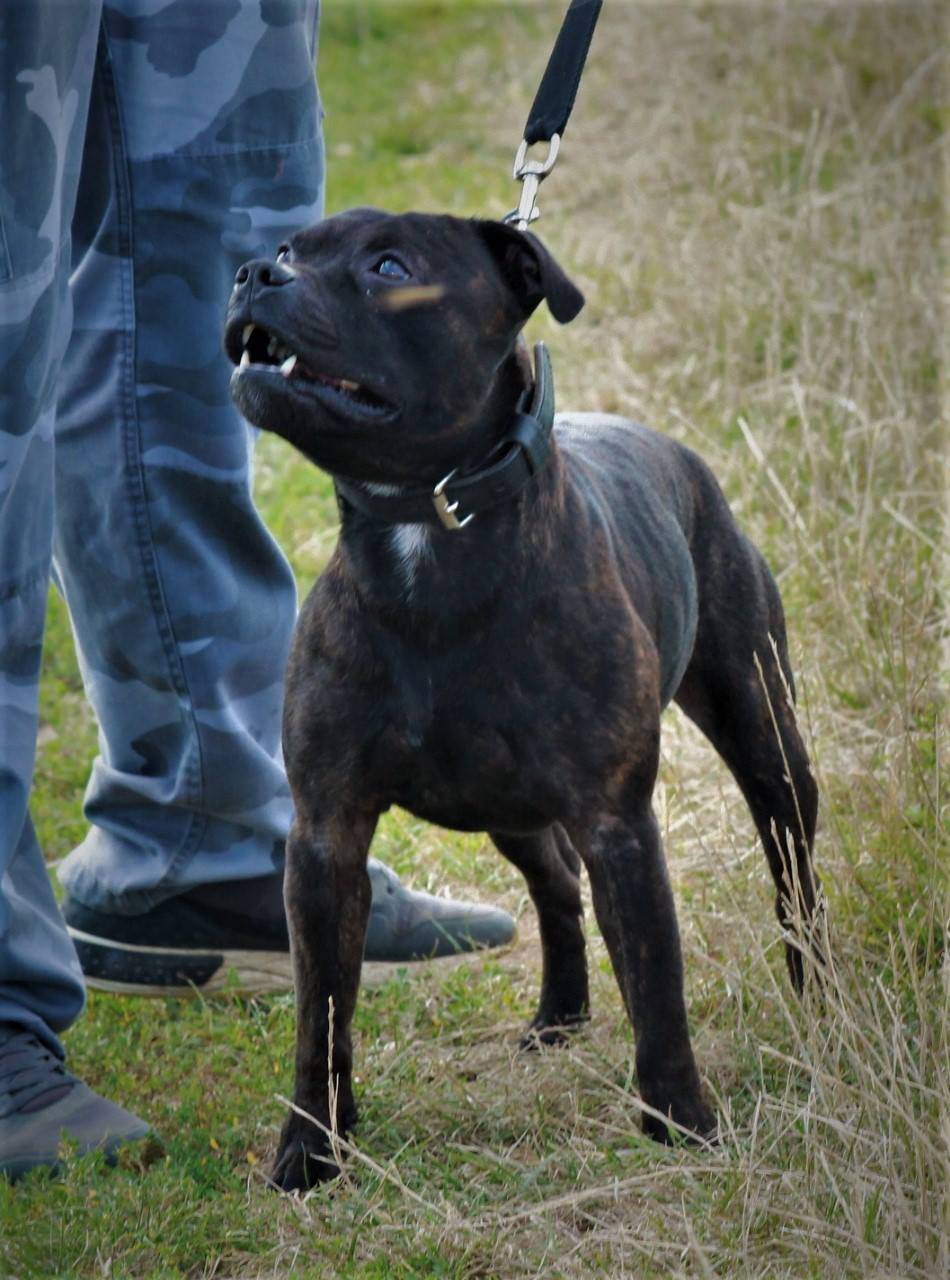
(459, 497)
(552, 105)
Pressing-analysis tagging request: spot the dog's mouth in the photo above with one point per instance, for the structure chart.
(261, 349)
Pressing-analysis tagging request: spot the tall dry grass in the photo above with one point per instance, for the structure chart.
(753, 199)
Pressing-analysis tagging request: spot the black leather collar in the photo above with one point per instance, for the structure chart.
(459, 497)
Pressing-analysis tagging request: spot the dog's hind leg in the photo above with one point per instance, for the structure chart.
(738, 689)
(327, 894)
(551, 867)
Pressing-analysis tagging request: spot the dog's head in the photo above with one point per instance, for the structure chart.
(374, 340)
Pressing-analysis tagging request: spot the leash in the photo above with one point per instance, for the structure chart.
(552, 106)
(458, 497)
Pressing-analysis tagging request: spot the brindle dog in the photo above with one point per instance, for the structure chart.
(506, 673)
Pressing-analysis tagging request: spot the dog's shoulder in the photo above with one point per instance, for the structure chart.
(600, 437)
(623, 460)
(634, 465)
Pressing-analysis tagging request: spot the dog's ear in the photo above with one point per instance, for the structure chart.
(530, 270)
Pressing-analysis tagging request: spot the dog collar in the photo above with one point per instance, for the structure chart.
(458, 498)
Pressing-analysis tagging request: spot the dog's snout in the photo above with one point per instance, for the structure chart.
(262, 273)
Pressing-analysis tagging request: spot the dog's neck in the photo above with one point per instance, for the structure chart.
(438, 578)
(426, 569)
(412, 544)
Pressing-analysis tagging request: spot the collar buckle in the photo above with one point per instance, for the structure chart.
(446, 510)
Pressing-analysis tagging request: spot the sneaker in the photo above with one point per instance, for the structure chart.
(234, 936)
(41, 1103)
(407, 925)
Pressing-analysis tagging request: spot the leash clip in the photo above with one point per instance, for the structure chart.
(446, 510)
(531, 173)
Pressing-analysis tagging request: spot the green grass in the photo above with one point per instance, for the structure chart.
(751, 199)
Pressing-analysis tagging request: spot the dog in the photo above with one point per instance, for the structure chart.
(507, 611)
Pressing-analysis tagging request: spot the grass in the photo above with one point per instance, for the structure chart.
(751, 198)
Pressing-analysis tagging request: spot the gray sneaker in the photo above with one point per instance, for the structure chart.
(405, 924)
(233, 936)
(41, 1103)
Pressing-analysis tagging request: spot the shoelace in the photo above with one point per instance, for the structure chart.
(28, 1072)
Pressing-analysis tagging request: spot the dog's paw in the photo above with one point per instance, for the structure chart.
(550, 1030)
(690, 1114)
(301, 1165)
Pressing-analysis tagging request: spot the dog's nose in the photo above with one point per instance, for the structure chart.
(262, 273)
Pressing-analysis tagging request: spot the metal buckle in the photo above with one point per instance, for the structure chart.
(446, 510)
(531, 174)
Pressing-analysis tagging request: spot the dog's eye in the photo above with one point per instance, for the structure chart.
(392, 268)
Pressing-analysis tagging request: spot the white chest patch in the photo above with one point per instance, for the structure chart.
(411, 545)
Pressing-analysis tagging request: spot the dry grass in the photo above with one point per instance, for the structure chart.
(752, 198)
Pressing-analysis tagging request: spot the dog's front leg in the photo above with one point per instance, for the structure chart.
(633, 902)
(327, 895)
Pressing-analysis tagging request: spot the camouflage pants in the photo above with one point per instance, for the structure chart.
(148, 148)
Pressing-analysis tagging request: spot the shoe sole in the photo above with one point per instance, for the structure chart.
(236, 972)
(171, 971)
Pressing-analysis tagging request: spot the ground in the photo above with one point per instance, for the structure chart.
(750, 197)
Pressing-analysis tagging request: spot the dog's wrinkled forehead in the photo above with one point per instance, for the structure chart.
(339, 228)
(474, 253)
(430, 239)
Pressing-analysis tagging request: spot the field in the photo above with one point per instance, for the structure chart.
(751, 197)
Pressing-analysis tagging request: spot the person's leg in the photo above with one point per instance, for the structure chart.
(204, 149)
(46, 63)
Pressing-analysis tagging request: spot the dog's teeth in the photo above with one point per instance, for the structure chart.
(245, 358)
(346, 385)
(287, 367)
(246, 334)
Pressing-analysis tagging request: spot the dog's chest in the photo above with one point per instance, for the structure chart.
(455, 747)
(413, 707)
(411, 548)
